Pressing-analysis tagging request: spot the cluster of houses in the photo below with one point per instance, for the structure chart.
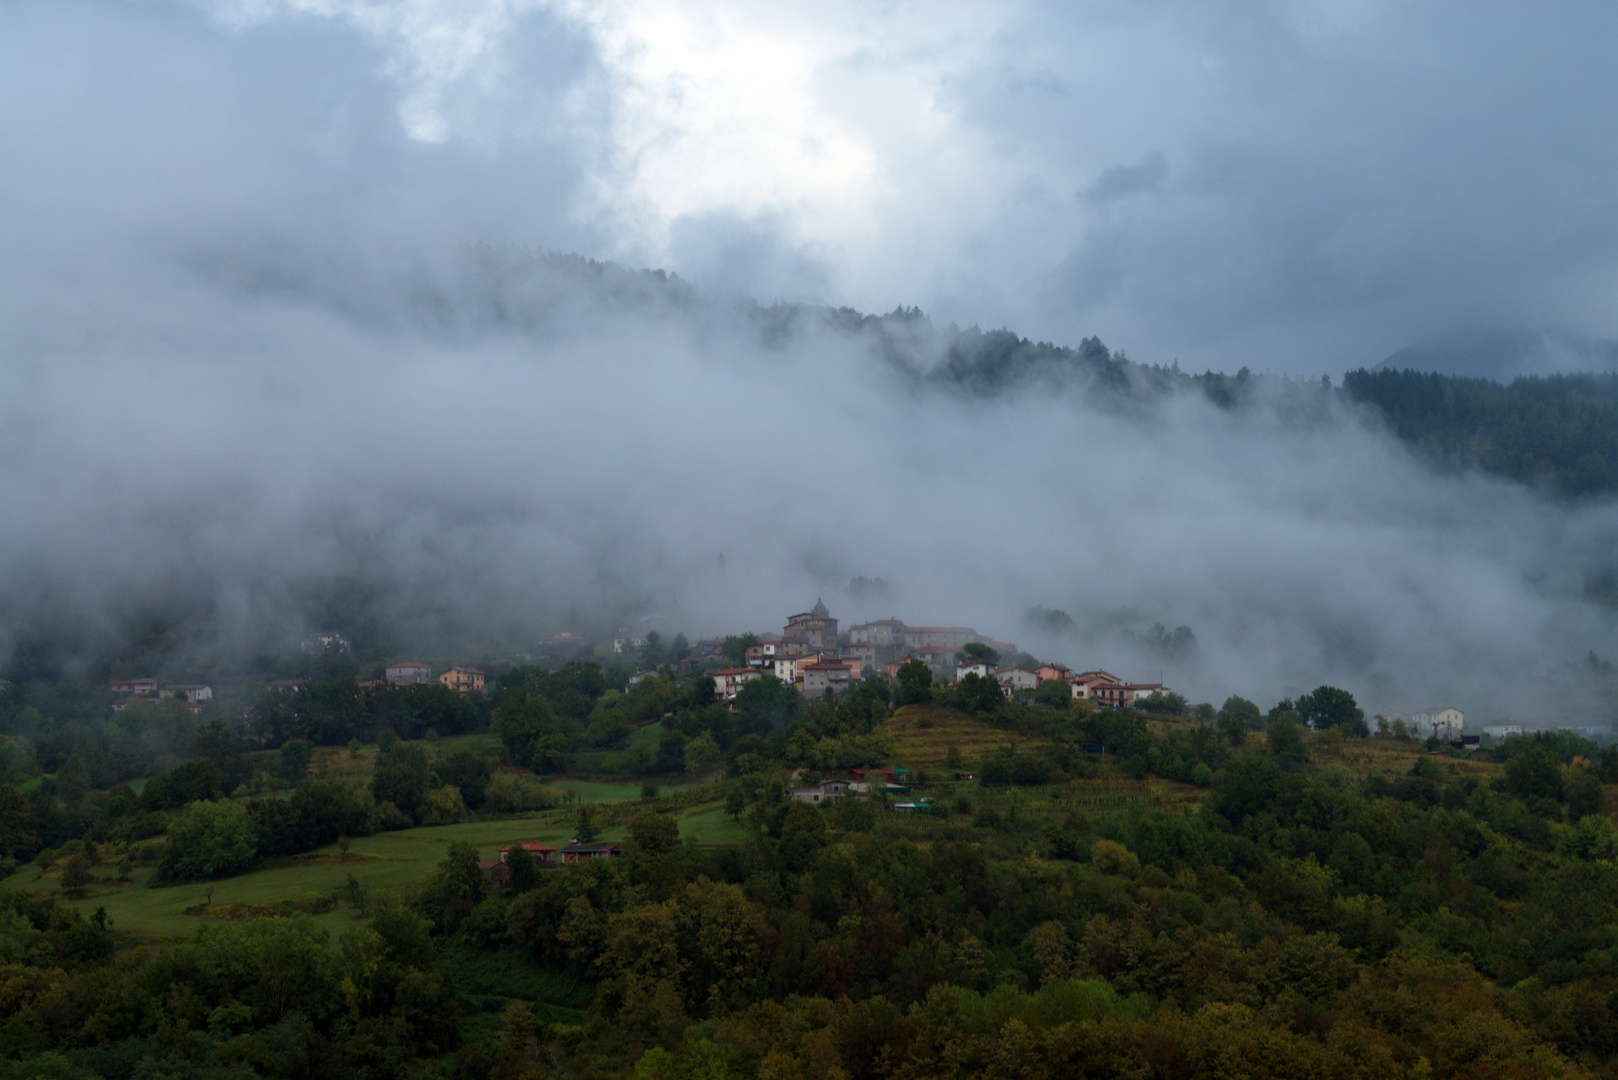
(125, 691)
(405, 673)
(813, 656)
(1446, 722)
(1442, 721)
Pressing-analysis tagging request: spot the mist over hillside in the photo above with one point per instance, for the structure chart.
(280, 356)
(469, 453)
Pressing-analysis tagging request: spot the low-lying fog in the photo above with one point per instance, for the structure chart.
(519, 446)
(258, 374)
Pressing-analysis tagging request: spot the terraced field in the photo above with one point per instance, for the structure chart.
(921, 736)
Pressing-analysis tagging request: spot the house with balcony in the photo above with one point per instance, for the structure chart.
(463, 680)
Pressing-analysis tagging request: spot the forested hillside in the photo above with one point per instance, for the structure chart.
(1560, 431)
(1064, 892)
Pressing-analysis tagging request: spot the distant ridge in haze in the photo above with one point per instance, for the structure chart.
(1503, 354)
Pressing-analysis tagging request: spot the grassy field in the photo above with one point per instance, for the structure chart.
(603, 791)
(384, 861)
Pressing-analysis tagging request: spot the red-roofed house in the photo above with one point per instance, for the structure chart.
(1017, 679)
(728, 681)
(545, 856)
(825, 677)
(128, 688)
(409, 673)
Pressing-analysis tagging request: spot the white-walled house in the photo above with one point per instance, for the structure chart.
(1018, 678)
(409, 673)
(1441, 720)
(727, 681)
(980, 669)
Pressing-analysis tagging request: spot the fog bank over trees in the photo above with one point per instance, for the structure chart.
(475, 451)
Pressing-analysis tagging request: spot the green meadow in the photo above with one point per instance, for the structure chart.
(385, 861)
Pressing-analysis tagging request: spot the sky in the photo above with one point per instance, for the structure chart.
(1298, 187)
(249, 344)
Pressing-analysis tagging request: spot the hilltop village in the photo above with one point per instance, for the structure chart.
(820, 660)
(811, 655)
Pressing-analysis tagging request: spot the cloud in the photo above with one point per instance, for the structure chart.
(258, 352)
(1348, 179)
(1121, 181)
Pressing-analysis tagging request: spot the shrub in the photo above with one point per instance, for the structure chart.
(508, 793)
(444, 806)
(1111, 857)
(209, 840)
(387, 817)
(76, 874)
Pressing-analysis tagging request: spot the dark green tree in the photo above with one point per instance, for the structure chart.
(523, 721)
(1286, 734)
(976, 694)
(586, 828)
(76, 874)
(293, 763)
(1239, 709)
(976, 652)
(1328, 707)
(914, 684)
(734, 649)
(1534, 773)
(652, 651)
(766, 704)
(524, 874)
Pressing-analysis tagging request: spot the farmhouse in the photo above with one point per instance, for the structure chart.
(826, 677)
(1440, 720)
(193, 692)
(462, 679)
(544, 856)
(576, 853)
(727, 681)
(1086, 686)
(1017, 679)
(827, 791)
(408, 673)
(128, 688)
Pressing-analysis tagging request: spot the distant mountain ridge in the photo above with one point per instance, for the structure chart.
(1505, 354)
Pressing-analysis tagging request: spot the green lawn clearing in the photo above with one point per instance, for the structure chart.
(384, 861)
